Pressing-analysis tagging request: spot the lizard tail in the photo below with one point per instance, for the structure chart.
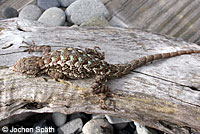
(117, 70)
(146, 59)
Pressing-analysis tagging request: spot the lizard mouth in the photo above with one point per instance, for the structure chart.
(13, 68)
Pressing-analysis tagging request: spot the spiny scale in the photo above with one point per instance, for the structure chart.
(75, 63)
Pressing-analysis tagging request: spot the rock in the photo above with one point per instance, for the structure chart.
(97, 126)
(116, 120)
(53, 17)
(117, 22)
(74, 26)
(132, 125)
(59, 119)
(96, 21)
(143, 130)
(78, 115)
(45, 4)
(98, 116)
(65, 3)
(120, 125)
(68, 24)
(30, 12)
(82, 10)
(124, 132)
(9, 12)
(71, 127)
(130, 129)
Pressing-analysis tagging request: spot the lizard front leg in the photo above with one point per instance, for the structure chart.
(34, 48)
(95, 52)
(53, 73)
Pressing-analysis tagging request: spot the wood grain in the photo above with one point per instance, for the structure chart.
(177, 18)
(165, 92)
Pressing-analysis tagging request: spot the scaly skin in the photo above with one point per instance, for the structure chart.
(74, 63)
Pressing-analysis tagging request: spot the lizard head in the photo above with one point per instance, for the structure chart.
(28, 65)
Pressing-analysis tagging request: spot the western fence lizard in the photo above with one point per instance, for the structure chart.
(74, 63)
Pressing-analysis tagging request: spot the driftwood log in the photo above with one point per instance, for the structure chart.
(164, 95)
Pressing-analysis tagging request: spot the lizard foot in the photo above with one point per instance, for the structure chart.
(102, 100)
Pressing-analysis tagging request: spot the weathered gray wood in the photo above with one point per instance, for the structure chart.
(177, 18)
(157, 94)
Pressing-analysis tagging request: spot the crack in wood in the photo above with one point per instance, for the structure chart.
(191, 87)
(11, 53)
(10, 45)
(183, 101)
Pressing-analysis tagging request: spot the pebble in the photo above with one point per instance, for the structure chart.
(53, 17)
(129, 129)
(116, 120)
(71, 127)
(59, 119)
(65, 3)
(98, 116)
(79, 115)
(117, 22)
(143, 130)
(132, 125)
(45, 4)
(124, 132)
(82, 10)
(9, 12)
(97, 126)
(30, 12)
(96, 21)
(120, 126)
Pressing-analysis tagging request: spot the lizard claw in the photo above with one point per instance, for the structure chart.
(100, 88)
(30, 47)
